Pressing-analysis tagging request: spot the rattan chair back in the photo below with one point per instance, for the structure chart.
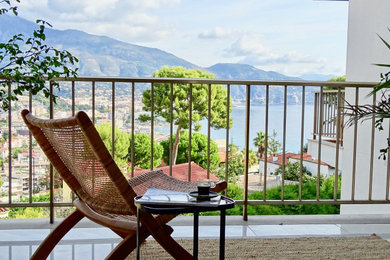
(77, 152)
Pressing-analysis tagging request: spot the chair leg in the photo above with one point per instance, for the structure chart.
(56, 235)
(127, 245)
(163, 237)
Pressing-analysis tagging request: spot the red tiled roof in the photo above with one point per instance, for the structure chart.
(280, 158)
(180, 171)
(306, 157)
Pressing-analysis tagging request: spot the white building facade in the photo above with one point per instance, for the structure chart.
(367, 19)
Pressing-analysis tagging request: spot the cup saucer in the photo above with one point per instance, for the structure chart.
(211, 194)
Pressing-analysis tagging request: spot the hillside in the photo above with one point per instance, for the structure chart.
(104, 56)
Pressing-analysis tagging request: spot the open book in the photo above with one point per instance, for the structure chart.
(155, 196)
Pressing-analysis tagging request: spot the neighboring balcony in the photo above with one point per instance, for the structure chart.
(328, 126)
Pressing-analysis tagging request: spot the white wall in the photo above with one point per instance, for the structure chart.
(313, 168)
(328, 151)
(271, 167)
(364, 48)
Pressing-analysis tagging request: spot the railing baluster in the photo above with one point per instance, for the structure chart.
(30, 159)
(152, 127)
(113, 121)
(388, 170)
(321, 111)
(266, 142)
(338, 134)
(246, 166)
(170, 129)
(93, 102)
(354, 147)
(73, 142)
(51, 171)
(132, 128)
(190, 133)
(315, 121)
(325, 111)
(334, 114)
(372, 149)
(302, 137)
(9, 148)
(73, 99)
(284, 140)
(93, 121)
(227, 136)
(208, 131)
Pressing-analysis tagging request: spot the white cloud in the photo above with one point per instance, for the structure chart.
(130, 20)
(250, 49)
(216, 33)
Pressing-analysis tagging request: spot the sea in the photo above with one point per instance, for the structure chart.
(257, 123)
(275, 122)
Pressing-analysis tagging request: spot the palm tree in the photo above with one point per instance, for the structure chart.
(259, 141)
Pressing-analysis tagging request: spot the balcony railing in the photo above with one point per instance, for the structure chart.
(280, 96)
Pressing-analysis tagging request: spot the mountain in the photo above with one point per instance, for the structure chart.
(244, 71)
(104, 56)
(98, 55)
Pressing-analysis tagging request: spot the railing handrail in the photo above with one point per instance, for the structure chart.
(222, 81)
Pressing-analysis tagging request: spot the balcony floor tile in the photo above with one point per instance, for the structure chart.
(93, 242)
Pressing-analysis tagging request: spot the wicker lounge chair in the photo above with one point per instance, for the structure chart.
(77, 152)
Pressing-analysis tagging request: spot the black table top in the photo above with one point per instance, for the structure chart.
(178, 208)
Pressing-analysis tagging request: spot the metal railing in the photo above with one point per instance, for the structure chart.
(276, 92)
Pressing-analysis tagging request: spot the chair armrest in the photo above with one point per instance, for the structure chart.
(219, 186)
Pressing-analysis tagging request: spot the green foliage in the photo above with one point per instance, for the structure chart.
(259, 142)
(235, 164)
(385, 77)
(28, 213)
(198, 150)
(142, 154)
(9, 7)
(121, 142)
(181, 102)
(27, 62)
(44, 181)
(31, 212)
(335, 79)
(292, 172)
(291, 192)
(309, 192)
(16, 151)
(181, 99)
(273, 144)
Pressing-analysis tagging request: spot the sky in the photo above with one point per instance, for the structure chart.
(293, 37)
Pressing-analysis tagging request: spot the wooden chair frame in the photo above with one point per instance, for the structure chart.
(119, 218)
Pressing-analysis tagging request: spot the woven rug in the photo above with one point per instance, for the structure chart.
(365, 247)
